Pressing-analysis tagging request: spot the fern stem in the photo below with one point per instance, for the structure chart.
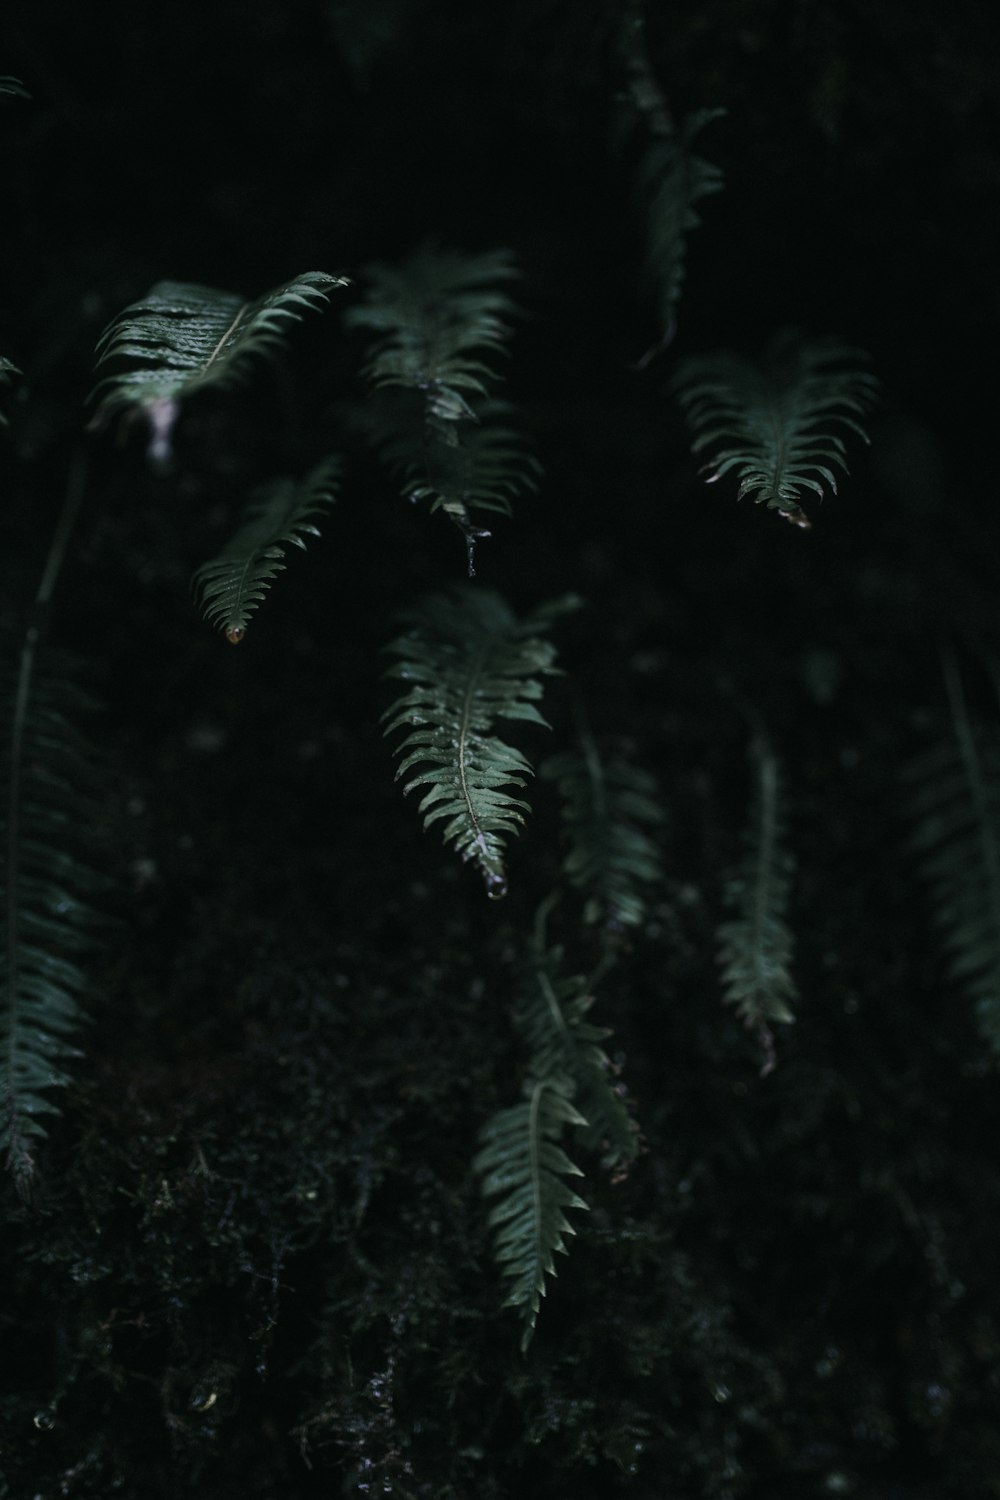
(38, 620)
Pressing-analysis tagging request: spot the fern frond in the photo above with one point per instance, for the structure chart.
(469, 662)
(777, 423)
(7, 373)
(440, 321)
(13, 86)
(955, 805)
(48, 921)
(522, 1164)
(181, 338)
(755, 945)
(672, 179)
(608, 806)
(551, 1015)
(231, 586)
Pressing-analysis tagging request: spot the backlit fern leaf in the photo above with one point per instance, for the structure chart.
(182, 338)
(48, 921)
(955, 805)
(469, 662)
(608, 806)
(755, 944)
(523, 1165)
(779, 423)
(440, 321)
(552, 1015)
(231, 586)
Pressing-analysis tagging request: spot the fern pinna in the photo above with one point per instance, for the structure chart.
(181, 338)
(608, 808)
(778, 423)
(439, 322)
(524, 1167)
(955, 807)
(231, 587)
(46, 889)
(469, 662)
(755, 943)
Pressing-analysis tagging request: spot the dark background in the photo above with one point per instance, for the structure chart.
(256, 1262)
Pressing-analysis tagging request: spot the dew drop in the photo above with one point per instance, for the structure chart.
(44, 1420)
(496, 886)
(235, 634)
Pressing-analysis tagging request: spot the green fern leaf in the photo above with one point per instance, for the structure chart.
(955, 805)
(48, 921)
(672, 179)
(181, 338)
(776, 423)
(608, 806)
(7, 372)
(523, 1165)
(440, 322)
(469, 662)
(13, 86)
(231, 586)
(551, 1014)
(755, 945)
(440, 319)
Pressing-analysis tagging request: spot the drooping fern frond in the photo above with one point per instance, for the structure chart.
(230, 587)
(523, 1165)
(778, 423)
(182, 338)
(469, 662)
(7, 373)
(46, 889)
(955, 807)
(755, 944)
(551, 1014)
(672, 177)
(608, 806)
(440, 322)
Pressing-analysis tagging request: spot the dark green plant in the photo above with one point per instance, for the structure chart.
(181, 339)
(954, 801)
(777, 423)
(755, 942)
(470, 663)
(232, 586)
(440, 322)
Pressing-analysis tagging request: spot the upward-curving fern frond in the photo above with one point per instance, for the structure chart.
(45, 893)
(607, 808)
(524, 1166)
(777, 423)
(440, 321)
(469, 662)
(181, 338)
(13, 86)
(755, 944)
(231, 587)
(955, 806)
